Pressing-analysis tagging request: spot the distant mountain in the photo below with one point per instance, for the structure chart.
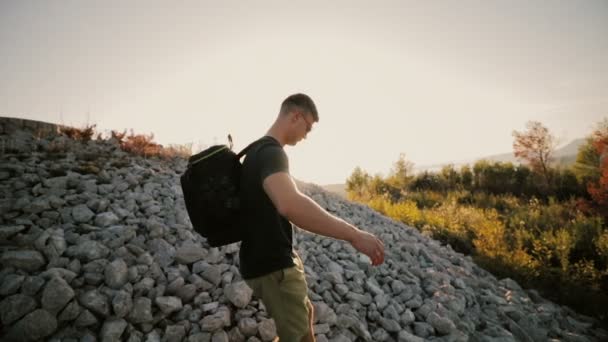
(339, 189)
(564, 155)
(570, 149)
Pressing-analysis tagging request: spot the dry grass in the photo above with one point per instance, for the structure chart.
(80, 134)
(144, 145)
(136, 144)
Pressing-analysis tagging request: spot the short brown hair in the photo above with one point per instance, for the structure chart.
(299, 102)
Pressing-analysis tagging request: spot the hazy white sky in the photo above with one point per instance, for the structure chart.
(439, 81)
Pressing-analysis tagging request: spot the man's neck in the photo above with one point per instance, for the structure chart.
(275, 132)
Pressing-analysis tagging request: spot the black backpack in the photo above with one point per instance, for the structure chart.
(211, 191)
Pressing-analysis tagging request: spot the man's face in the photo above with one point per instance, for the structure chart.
(303, 125)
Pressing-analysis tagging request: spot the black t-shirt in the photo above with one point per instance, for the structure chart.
(267, 242)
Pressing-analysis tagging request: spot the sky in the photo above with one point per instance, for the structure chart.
(439, 81)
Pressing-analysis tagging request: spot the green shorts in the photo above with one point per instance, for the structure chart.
(285, 296)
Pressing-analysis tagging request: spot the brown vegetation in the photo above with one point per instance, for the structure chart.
(136, 144)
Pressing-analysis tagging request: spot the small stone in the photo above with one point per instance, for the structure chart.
(71, 312)
(106, 219)
(248, 326)
(381, 301)
(443, 325)
(390, 325)
(88, 250)
(34, 326)
(189, 254)
(82, 214)
(85, 319)
(26, 260)
(407, 317)
(11, 284)
(346, 321)
(37, 206)
(397, 286)
(199, 337)
(31, 285)
(267, 329)
(342, 289)
(57, 272)
(14, 307)
(122, 303)
(235, 335)
(324, 313)
(212, 274)
(168, 305)
(112, 330)
(321, 328)
(220, 336)
(174, 333)
(186, 293)
(142, 311)
(96, 302)
(405, 336)
(56, 294)
(332, 277)
(211, 323)
(6, 232)
(175, 285)
(365, 299)
(209, 307)
(239, 294)
(116, 274)
(374, 287)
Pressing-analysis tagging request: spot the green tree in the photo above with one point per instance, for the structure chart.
(587, 165)
(451, 176)
(466, 177)
(495, 177)
(427, 181)
(478, 173)
(357, 183)
(401, 173)
(378, 186)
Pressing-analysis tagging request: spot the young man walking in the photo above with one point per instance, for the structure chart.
(270, 202)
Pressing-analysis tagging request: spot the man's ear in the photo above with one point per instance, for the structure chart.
(294, 116)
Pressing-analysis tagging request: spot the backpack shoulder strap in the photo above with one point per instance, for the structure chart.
(261, 142)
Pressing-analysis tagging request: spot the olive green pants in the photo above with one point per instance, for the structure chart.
(285, 296)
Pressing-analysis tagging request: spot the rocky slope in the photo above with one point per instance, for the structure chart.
(96, 245)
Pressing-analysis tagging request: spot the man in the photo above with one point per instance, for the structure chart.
(270, 202)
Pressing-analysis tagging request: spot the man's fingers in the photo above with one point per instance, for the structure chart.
(373, 248)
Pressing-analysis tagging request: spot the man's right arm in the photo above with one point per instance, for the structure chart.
(305, 213)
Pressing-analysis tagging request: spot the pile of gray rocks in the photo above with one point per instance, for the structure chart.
(97, 245)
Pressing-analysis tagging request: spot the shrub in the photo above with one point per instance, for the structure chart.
(426, 199)
(379, 204)
(144, 145)
(80, 134)
(405, 211)
(427, 181)
(177, 151)
(601, 244)
(586, 232)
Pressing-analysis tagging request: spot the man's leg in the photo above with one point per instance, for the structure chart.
(311, 334)
(284, 294)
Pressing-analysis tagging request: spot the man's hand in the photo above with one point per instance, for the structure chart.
(369, 245)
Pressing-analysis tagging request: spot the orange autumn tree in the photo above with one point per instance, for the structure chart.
(536, 146)
(599, 190)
